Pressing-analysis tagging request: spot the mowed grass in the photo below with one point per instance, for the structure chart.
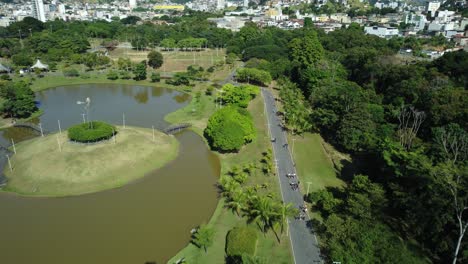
(312, 163)
(40, 168)
(224, 220)
(174, 61)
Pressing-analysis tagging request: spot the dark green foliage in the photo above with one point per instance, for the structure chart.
(255, 76)
(155, 59)
(112, 75)
(240, 241)
(93, 131)
(454, 65)
(229, 128)
(179, 79)
(19, 99)
(130, 20)
(155, 77)
(124, 75)
(139, 71)
(22, 59)
(267, 52)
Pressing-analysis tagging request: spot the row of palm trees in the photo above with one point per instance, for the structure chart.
(268, 213)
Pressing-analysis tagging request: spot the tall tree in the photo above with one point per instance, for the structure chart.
(155, 59)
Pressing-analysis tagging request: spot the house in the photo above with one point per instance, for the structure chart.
(383, 32)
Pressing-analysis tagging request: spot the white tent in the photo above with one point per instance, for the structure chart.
(40, 65)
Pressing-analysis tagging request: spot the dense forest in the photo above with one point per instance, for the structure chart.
(404, 123)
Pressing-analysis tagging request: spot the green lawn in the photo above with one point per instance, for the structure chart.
(43, 168)
(223, 220)
(312, 163)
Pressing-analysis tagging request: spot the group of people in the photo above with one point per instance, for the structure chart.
(294, 185)
(302, 212)
(290, 175)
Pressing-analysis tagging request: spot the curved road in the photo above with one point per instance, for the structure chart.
(303, 241)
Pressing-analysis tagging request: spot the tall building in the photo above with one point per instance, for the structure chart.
(220, 4)
(132, 3)
(38, 10)
(432, 7)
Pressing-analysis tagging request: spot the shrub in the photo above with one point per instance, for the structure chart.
(91, 132)
(125, 75)
(240, 241)
(112, 75)
(155, 77)
(71, 73)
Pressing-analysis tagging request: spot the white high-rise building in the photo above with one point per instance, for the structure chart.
(132, 3)
(38, 9)
(246, 3)
(432, 7)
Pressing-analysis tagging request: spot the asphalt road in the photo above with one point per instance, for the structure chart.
(303, 240)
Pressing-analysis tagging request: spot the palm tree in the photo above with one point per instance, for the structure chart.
(286, 211)
(237, 201)
(262, 209)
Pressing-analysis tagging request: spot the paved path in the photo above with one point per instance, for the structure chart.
(303, 241)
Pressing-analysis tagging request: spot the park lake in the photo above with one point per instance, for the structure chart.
(148, 220)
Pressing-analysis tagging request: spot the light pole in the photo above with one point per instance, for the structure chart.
(308, 185)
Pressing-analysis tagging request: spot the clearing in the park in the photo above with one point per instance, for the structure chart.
(43, 168)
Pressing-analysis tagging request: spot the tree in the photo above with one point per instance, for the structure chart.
(155, 59)
(262, 209)
(204, 237)
(140, 71)
(19, 99)
(455, 181)
(168, 44)
(238, 95)
(286, 211)
(306, 51)
(453, 141)
(229, 128)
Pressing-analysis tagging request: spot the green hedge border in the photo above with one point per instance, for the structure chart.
(91, 132)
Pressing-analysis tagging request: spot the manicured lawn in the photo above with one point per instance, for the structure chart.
(223, 220)
(41, 169)
(312, 163)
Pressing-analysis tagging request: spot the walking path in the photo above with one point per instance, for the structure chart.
(303, 241)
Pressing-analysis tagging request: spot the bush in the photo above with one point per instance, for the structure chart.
(179, 79)
(71, 73)
(91, 132)
(240, 241)
(125, 75)
(112, 75)
(230, 128)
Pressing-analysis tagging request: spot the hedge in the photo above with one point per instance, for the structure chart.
(91, 132)
(240, 241)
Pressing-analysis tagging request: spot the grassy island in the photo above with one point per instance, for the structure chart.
(41, 169)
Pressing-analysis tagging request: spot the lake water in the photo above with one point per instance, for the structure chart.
(147, 220)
